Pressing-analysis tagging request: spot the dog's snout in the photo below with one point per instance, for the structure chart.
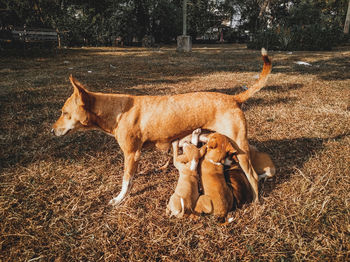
(52, 131)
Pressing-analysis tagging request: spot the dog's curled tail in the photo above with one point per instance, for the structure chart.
(244, 96)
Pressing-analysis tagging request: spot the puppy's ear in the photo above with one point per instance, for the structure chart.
(202, 150)
(212, 143)
(182, 159)
(78, 87)
(230, 149)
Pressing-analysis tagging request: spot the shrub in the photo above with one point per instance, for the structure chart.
(309, 37)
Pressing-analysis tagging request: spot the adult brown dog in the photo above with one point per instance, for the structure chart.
(136, 121)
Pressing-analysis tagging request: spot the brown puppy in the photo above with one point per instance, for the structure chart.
(239, 185)
(136, 121)
(217, 198)
(227, 187)
(262, 163)
(237, 181)
(186, 192)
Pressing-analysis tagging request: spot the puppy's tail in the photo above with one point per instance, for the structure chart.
(244, 96)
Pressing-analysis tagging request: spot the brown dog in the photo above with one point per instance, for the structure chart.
(186, 192)
(136, 121)
(217, 198)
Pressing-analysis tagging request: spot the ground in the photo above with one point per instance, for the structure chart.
(54, 191)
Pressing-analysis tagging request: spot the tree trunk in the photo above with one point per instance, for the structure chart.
(347, 21)
(184, 17)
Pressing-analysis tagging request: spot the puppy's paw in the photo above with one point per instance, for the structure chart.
(195, 136)
(197, 131)
(175, 143)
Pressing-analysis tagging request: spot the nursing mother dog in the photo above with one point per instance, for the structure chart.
(137, 121)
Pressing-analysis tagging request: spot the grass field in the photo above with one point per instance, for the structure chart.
(54, 192)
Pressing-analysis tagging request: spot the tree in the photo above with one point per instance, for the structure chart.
(347, 20)
(301, 25)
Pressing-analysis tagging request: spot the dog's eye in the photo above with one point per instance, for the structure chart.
(65, 113)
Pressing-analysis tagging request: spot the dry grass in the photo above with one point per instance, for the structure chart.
(54, 191)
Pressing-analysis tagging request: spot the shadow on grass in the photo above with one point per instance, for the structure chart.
(276, 88)
(334, 68)
(291, 154)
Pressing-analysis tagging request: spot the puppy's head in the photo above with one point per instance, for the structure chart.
(74, 114)
(219, 147)
(191, 151)
(193, 155)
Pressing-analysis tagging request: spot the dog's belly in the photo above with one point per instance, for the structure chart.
(164, 119)
(162, 138)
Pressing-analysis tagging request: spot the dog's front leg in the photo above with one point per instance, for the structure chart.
(130, 165)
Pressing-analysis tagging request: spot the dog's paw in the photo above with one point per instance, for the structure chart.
(115, 201)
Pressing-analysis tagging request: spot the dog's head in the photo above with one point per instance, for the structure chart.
(219, 147)
(74, 114)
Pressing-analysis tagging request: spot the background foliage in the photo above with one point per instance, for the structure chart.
(278, 24)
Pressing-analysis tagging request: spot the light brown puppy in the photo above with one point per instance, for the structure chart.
(136, 121)
(262, 163)
(186, 192)
(217, 198)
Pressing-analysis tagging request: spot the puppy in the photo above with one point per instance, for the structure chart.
(239, 186)
(217, 198)
(238, 182)
(262, 163)
(186, 192)
(196, 137)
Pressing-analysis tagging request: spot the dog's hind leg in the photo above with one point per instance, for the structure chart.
(246, 164)
(234, 126)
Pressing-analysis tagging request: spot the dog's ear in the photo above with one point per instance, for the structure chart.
(80, 91)
(78, 87)
(85, 121)
(212, 143)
